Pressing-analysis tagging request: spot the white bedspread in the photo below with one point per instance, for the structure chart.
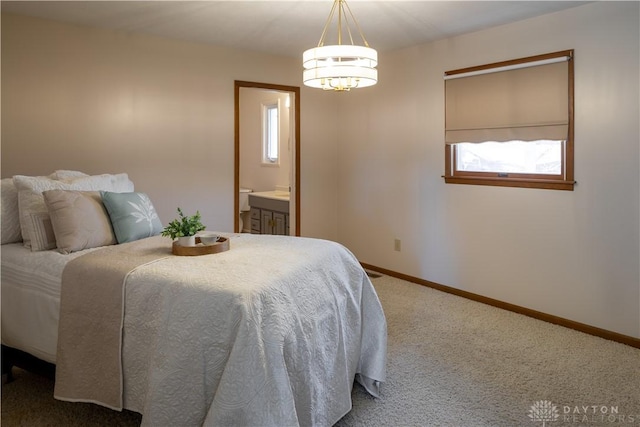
(269, 333)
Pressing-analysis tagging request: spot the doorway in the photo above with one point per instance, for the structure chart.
(292, 164)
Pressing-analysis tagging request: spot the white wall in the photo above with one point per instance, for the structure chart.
(161, 110)
(571, 254)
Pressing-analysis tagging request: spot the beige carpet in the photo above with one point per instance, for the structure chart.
(451, 362)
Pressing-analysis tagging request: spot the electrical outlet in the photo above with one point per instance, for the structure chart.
(397, 245)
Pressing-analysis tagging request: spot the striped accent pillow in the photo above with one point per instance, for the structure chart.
(42, 235)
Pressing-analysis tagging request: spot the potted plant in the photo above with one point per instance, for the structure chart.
(184, 228)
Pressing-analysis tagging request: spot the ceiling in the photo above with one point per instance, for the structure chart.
(289, 27)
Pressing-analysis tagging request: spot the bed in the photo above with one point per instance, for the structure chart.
(273, 331)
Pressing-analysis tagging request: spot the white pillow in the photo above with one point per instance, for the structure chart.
(65, 174)
(9, 218)
(31, 201)
(119, 183)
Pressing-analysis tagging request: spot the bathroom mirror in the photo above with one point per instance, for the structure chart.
(267, 158)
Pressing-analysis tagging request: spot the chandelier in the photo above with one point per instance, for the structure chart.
(340, 67)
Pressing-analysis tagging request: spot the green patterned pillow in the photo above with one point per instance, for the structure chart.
(132, 215)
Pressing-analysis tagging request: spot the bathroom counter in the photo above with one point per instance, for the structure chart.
(274, 195)
(270, 200)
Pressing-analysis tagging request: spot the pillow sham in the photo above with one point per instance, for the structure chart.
(79, 220)
(43, 237)
(118, 183)
(30, 199)
(9, 219)
(66, 174)
(132, 215)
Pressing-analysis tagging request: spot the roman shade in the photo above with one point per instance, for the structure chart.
(501, 104)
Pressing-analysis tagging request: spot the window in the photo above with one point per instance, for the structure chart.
(511, 123)
(270, 134)
(543, 157)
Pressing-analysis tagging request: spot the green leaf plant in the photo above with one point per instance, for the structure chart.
(183, 226)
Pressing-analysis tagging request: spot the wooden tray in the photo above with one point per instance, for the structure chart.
(220, 246)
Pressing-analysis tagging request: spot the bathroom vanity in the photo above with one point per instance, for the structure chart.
(269, 212)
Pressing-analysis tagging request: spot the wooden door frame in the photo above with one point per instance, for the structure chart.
(236, 181)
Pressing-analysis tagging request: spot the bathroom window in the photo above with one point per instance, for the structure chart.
(511, 123)
(270, 134)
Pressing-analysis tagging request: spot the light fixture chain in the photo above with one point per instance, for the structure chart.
(353, 18)
(349, 29)
(326, 25)
(340, 9)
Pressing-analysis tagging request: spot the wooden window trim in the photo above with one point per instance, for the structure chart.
(553, 182)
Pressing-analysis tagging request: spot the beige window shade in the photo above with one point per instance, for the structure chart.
(524, 104)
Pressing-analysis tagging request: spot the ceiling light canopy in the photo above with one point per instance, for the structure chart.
(340, 67)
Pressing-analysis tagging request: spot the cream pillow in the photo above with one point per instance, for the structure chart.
(79, 220)
(31, 201)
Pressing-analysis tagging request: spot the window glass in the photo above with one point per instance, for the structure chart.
(271, 134)
(530, 157)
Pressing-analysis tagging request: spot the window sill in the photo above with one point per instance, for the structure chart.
(270, 165)
(512, 182)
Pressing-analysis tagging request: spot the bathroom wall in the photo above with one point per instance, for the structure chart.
(253, 173)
